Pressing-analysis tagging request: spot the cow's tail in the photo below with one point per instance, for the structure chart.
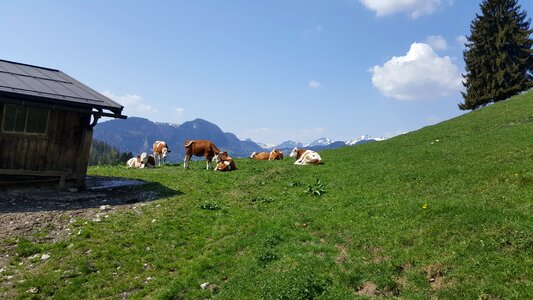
(188, 143)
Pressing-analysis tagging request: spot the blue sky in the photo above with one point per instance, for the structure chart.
(266, 70)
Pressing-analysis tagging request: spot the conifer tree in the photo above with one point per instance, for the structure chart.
(498, 54)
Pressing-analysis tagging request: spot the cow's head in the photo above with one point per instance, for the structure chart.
(164, 153)
(252, 156)
(144, 157)
(294, 153)
(222, 156)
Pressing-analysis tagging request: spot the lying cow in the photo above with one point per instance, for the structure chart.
(275, 154)
(260, 156)
(224, 162)
(200, 148)
(160, 149)
(305, 157)
(138, 161)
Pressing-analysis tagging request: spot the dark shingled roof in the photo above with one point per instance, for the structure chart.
(51, 86)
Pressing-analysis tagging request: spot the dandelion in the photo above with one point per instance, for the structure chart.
(425, 205)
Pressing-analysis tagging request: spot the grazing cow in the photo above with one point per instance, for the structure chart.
(260, 156)
(160, 149)
(305, 157)
(200, 148)
(224, 162)
(138, 161)
(275, 154)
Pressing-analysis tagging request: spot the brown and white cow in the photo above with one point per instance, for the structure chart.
(260, 156)
(138, 161)
(200, 148)
(224, 162)
(305, 157)
(160, 149)
(275, 154)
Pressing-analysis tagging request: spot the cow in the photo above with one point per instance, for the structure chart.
(260, 156)
(224, 162)
(150, 162)
(138, 161)
(200, 148)
(305, 157)
(275, 154)
(160, 149)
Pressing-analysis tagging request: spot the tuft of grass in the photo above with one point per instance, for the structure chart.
(318, 189)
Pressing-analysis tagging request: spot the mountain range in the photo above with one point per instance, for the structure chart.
(137, 135)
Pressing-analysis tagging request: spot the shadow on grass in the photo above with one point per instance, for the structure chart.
(100, 191)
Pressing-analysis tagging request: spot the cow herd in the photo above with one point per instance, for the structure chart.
(223, 162)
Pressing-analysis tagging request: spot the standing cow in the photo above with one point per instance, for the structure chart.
(160, 152)
(200, 148)
(305, 157)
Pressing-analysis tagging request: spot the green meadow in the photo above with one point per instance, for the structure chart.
(445, 212)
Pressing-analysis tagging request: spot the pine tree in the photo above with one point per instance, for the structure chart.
(498, 54)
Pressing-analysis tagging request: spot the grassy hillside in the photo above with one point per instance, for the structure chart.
(444, 212)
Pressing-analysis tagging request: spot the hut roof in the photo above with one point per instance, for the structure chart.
(44, 85)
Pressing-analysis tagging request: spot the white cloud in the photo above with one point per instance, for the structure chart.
(314, 84)
(415, 8)
(420, 74)
(437, 42)
(179, 110)
(133, 104)
(461, 40)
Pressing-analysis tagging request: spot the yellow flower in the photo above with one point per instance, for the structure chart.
(425, 205)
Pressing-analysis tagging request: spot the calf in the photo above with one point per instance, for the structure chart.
(160, 149)
(200, 148)
(224, 162)
(305, 157)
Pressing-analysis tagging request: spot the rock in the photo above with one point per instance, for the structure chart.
(105, 207)
(204, 286)
(45, 256)
(33, 290)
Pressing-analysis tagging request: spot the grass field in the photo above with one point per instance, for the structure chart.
(444, 212)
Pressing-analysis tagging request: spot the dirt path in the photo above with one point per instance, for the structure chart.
(44, 214)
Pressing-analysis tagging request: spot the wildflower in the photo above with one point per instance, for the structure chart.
(425, 206)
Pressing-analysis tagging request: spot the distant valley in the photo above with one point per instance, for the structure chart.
(137, 135)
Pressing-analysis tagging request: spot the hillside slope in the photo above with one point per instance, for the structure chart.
(445, 212)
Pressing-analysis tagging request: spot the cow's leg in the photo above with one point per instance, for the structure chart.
(156, 158)
(186, 161)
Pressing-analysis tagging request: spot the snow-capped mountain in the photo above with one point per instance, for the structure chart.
(320, 142)
(289, 145)
(266, 146)
(363, 139)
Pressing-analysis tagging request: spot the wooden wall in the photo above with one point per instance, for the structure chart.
(64, 149)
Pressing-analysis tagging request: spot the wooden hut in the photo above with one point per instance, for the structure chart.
(46, 120)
